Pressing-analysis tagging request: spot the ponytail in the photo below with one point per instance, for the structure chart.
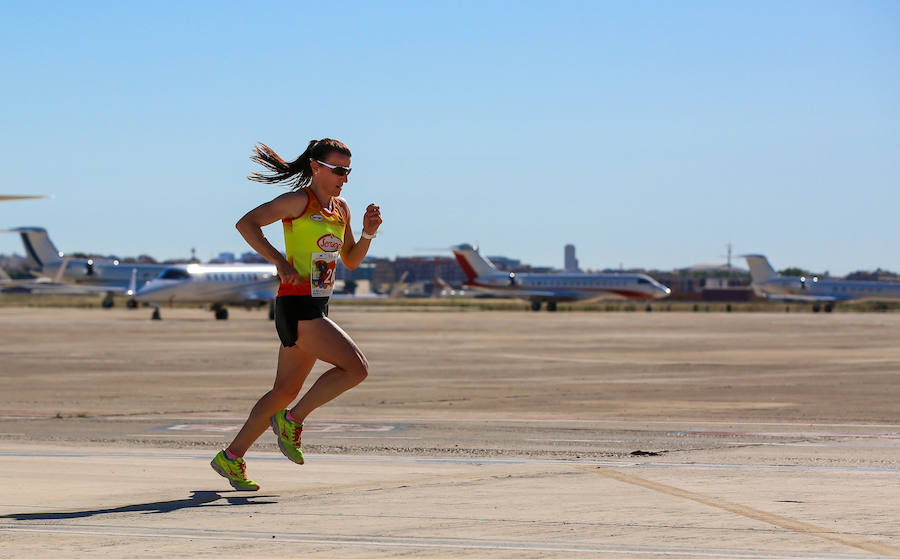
(297, 173)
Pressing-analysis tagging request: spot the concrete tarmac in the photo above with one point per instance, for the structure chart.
(477, 434)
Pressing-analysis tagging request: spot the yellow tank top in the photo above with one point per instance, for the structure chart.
(312, 244)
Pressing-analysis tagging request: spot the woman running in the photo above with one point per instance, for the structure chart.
(317, 229)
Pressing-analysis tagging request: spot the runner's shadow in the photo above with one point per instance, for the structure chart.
(197, 499)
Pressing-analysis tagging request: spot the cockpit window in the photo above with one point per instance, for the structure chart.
(642, 280)
(175, 273)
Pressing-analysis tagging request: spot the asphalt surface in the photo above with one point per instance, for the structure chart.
(500, 434)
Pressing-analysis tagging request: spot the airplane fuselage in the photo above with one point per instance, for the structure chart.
(572, 287)
(211, 283)
(103, 273)
(837, 290)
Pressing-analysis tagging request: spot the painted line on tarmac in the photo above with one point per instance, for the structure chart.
(411, 542)
(626, 420)
(752, 513)
(478, 461)
(676, 444)
(307, 427)
(415, 421)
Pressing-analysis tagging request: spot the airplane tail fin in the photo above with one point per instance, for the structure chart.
(760, 269)
(472, 262)
(397, 288)
(39, 249)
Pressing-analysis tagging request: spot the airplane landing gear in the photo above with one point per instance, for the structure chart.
(829, 307)
(155, 315)
(108, 301)
(221, 312)
(551, 306)
(535, 305)
(131, 304)
(816, 307)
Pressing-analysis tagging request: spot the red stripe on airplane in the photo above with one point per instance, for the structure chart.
(467, 268)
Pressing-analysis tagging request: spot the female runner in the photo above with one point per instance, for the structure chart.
(317, 229)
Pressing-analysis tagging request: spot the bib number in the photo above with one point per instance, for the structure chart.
(321, 277)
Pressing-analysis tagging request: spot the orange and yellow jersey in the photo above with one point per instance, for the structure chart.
(312, 245)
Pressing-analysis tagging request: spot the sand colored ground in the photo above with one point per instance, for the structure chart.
(478, 434)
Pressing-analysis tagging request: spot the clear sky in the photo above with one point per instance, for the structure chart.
(649, 134)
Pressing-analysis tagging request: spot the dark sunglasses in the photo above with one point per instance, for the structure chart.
(338, 170)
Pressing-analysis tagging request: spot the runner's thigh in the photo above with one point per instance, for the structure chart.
(327, 341)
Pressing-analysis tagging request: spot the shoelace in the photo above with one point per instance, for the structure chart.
(295, 435)
(243, 466)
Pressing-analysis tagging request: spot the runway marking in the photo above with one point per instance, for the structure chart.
(307, 428)
(276, 457)
(412, 542)
(750, 512)
(788, 434)
(630, 421)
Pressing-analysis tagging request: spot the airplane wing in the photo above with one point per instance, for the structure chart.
(807, 298)
(253, 292)
(53, 288)
(544, 294)
(258, 295)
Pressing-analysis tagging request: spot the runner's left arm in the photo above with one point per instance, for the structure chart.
(353, 251)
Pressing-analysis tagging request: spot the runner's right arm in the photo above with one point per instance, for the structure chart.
(250, 227)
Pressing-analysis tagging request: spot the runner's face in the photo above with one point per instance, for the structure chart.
(327, 179)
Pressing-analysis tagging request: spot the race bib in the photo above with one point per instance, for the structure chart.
(321, 276)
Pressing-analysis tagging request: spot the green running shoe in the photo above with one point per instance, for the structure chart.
(288, 433)
(235, 471)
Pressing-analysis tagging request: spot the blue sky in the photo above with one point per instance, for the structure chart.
(649, 134)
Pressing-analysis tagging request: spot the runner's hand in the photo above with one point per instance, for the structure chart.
(372, 219)
(288, 274)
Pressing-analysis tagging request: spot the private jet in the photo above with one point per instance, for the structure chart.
(822, 293)
(89, 274)
(553, 288)
(217, 284)
(154, 284)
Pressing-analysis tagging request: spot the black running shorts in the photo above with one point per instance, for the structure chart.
(290, 309)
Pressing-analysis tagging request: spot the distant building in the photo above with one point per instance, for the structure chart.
(571, 263)
(252, 257)
(426, 268)
(708, 282)
(384, 274)
(365, 271)
(505, 264)
(226, 257)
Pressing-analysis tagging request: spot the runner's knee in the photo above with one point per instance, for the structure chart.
(359, 370)
(284, 393)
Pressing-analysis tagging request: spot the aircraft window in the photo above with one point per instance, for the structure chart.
(642, 280)
(175, 273)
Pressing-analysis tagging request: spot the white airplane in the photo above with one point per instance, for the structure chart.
(553, 288)
(92, 275)
(154, 284)
(820, 292)
(217, 284)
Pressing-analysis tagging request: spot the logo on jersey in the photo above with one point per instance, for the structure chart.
(317, 217)
(330, 243)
